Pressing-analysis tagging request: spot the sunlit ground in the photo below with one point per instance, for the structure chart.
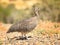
(48, 33)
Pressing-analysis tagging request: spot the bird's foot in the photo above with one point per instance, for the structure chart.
(22, 38)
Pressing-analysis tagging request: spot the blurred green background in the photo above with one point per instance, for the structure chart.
(13, 10)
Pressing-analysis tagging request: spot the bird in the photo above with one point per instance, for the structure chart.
(26, 25)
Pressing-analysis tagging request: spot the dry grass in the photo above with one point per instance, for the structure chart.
(46, 33)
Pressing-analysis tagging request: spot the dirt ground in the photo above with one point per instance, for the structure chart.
(46, 33)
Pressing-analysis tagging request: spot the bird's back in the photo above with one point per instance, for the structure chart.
(25, 25)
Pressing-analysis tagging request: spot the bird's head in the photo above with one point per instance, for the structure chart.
(36, 10)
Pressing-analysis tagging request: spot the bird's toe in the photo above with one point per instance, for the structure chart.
(29, 36)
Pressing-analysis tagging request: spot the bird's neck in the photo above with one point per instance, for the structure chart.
(37, 15)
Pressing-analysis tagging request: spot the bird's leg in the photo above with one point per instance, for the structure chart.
(24, 36)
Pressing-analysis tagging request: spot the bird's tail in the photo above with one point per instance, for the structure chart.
(8, 31)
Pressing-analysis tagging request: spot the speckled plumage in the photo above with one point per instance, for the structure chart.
(25, 25)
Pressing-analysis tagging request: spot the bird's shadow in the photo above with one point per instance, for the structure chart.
(20, 38)
(23, 38)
